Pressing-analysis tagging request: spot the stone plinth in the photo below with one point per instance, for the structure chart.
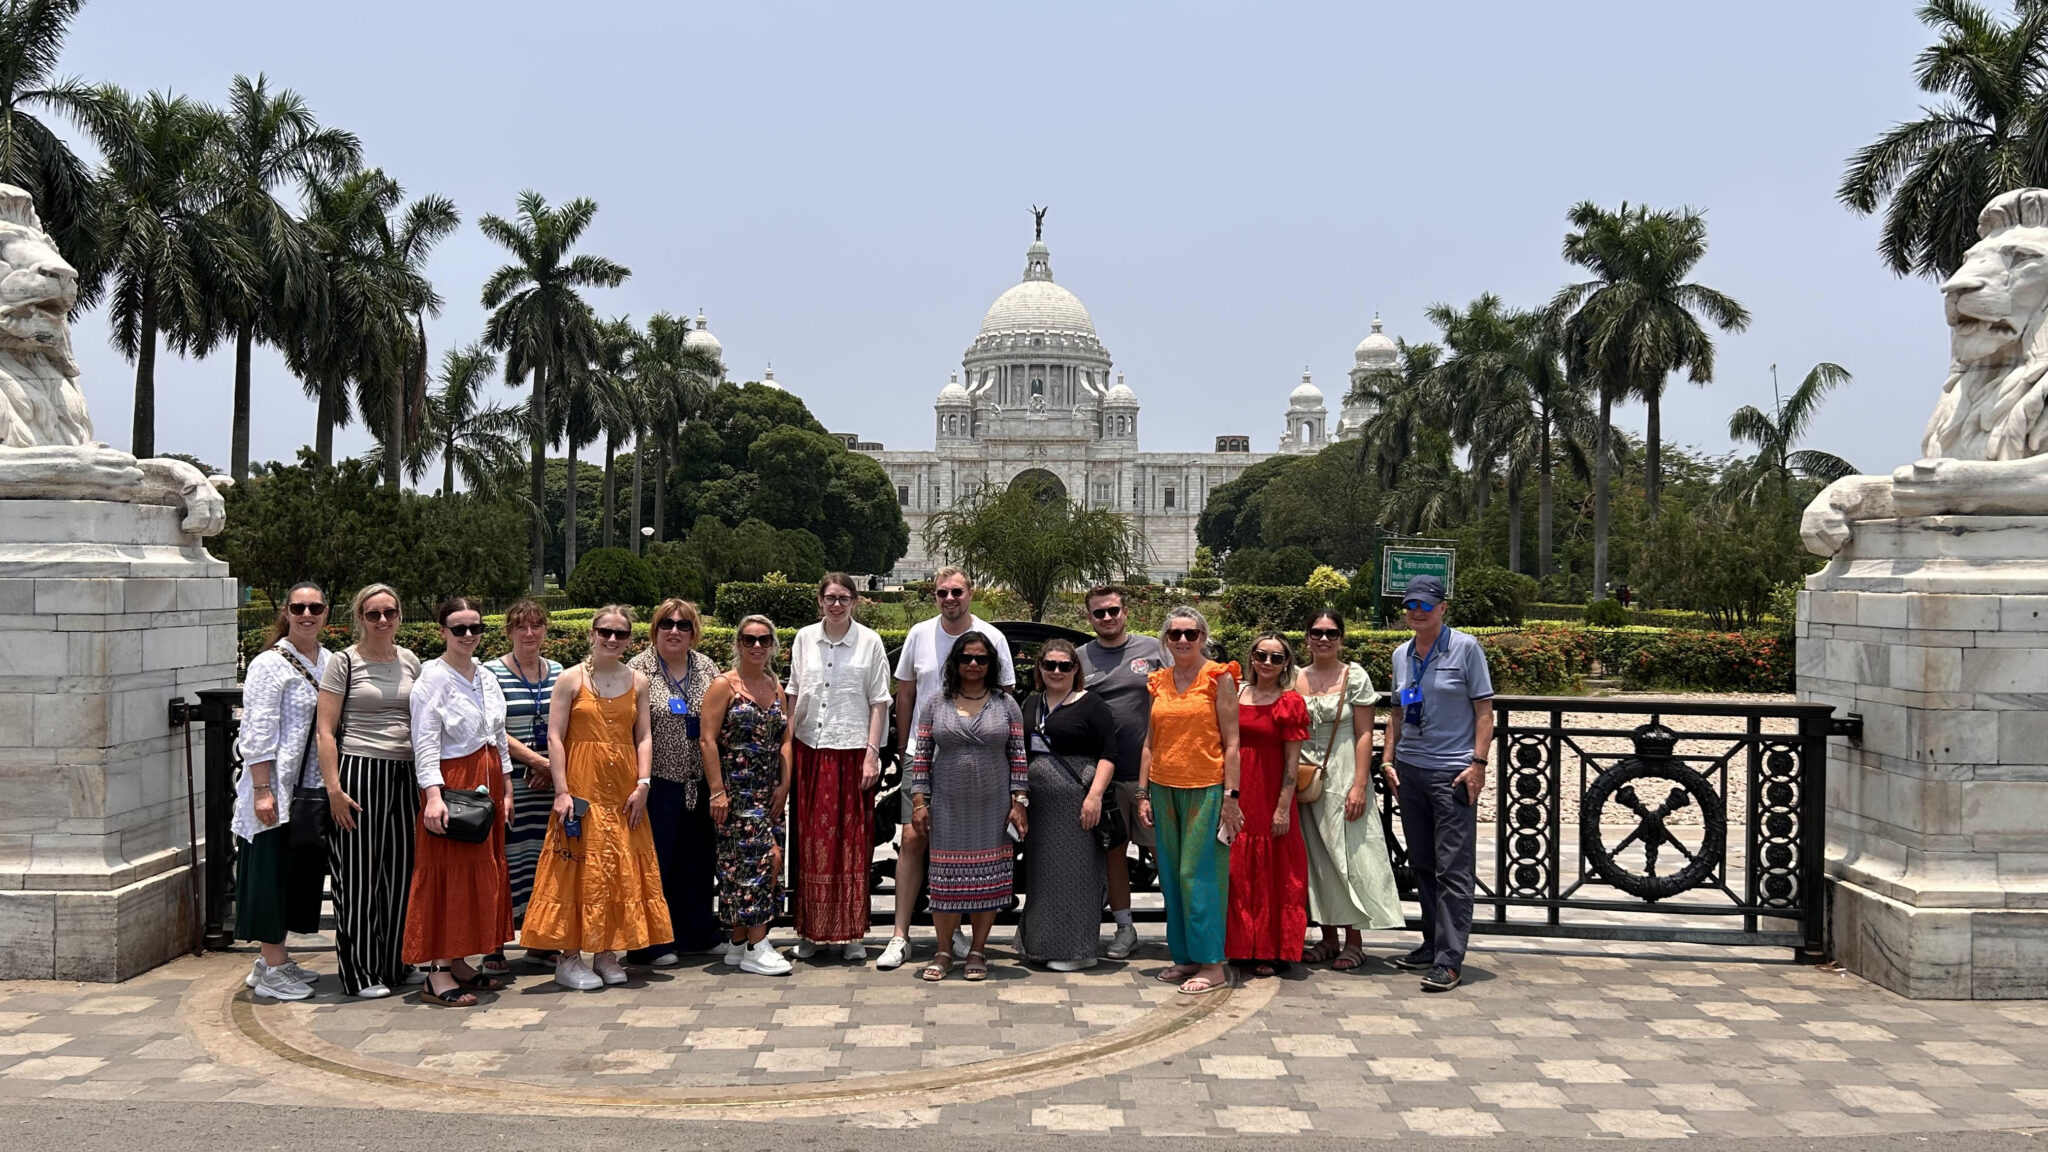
(107, 612)
(1936, 631)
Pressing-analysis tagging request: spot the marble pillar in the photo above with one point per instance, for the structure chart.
(1935, 629)
(108, 610)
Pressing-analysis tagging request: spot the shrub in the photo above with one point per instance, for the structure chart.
(1490, 596)
(1269, 606)
(789, 605)
(677, 575)
(611, 576)
(1202, 579)
(1713, 662)
(1606, 614)
(1329, 583)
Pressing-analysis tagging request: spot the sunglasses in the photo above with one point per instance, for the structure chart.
(951, 593)
(675, 624)
(1183, 635)
(1325, 634)
(379, 615)
(976, 658)
(756, 640)
(613, 633)
(1416, 606)
(1109, 613)
(1269, 657)
(1057, 667)
(304, 609)
(464, 629)
(837, 599)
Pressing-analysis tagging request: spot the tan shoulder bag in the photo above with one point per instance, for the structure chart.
(1308, 776)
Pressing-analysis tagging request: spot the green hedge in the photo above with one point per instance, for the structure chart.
(786, 604)
(1269, 606)
(611, 576)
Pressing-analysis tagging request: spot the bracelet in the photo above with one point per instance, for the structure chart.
(261, 787)
(1479, 760)
(645, 782)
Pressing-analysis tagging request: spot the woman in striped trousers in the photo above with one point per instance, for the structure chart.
(365, 722)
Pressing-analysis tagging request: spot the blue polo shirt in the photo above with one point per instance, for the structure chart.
(1455, 676)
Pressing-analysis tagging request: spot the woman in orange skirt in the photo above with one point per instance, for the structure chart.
(460, 903)
(598, 888)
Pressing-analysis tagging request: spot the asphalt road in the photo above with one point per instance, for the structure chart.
(96, 1126)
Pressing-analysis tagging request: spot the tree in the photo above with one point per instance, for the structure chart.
(338, 333)
(582, 405)
(540, 319)
(675, 379)
(624, 414)
(1932, 176)
(478, 444)
(1201, 578)
(267, 141)
(407, 240)
(1774, 433)
(1325, 503)
(1033, 540)
(1230, 516)
(32, 156)
(159, 234)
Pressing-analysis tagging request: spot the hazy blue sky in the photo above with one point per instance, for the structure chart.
(1234, 191)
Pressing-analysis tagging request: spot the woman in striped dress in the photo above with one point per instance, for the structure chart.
(527, 679)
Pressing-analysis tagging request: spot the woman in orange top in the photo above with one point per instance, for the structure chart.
(598, 888)
(1191, 756)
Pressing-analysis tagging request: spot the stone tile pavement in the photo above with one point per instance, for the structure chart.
(1563, 1038)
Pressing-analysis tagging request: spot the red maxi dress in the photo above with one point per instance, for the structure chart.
(1268, 915)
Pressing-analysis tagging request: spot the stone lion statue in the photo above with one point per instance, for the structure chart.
(46, 445)
(1985, 451)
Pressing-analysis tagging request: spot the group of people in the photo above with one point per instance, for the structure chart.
(632, 811)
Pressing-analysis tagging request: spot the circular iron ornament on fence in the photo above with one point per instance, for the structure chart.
(1624, 784)
(1527, 814)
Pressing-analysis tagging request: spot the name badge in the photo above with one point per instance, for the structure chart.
(1410, 695)
(1037, 744)
(678, 707)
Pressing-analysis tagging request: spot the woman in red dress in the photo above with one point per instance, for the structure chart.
(1269, 862)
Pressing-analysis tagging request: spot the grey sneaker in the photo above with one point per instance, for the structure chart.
(1441, 978)
(273, 983)
(1123, 943)
(292, 969)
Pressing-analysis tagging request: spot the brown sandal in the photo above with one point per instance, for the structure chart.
(1350, 959)
(1320, 952)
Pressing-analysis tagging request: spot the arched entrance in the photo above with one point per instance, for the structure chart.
(1047, 485)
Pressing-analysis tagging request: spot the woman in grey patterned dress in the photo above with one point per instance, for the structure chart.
(1071, 735)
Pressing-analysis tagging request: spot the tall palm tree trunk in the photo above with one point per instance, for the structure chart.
(1543, 506)
(537, 536)
(639, 453)
(142, 431)
(1514, 525)
(611, 454)
(660, 488)
(569, 516)
(238, 450)
(394, 435)
(1653, 453)
(1600, 469)
(323, 425)
(448, 467)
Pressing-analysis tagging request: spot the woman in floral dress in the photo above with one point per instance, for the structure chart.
(746, 766)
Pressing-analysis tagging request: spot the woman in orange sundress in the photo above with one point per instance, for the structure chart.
(598, 888)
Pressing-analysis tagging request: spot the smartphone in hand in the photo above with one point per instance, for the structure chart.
(1223, 835)
(1462, 793)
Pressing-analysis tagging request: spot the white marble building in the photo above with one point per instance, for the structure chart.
(1035, 394)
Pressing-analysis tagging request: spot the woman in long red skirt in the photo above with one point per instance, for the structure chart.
(1268, 913)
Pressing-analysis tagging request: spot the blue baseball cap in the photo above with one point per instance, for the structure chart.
(1428, 589)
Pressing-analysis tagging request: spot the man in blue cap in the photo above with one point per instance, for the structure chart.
(1438, 733)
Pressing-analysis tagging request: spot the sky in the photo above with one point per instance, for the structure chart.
(1235, 191)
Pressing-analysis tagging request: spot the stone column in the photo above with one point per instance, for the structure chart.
(1935, 629)
(107, 612)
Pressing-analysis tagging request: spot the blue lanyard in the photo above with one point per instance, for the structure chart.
(1422, 669)
(675, 689)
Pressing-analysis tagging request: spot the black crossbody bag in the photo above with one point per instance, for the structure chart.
(1109, 830)
(311, 822)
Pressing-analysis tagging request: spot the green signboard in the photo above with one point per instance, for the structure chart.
(1400, 564)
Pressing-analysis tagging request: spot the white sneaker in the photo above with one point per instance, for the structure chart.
(415, 976)
(1123, 943)
(961, 944)
(277, 985)
(665, 960)
(255, 973)
(573, 973)
(1070, 965)
(763, 960)
(894, 955)
(609, 969)
(805, 948)
(733, 952)
(373, 992)
(292, 969)
(854, 950)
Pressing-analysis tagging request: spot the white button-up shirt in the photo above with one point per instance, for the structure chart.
(453, 716)
(835, 683)
(278, 703)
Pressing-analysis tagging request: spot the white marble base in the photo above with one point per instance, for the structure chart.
(1936, 631)
(107, 612)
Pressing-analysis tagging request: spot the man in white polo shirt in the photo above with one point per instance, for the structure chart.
(919, 669)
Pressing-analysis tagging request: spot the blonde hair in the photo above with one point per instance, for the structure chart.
(774, 640)
(950, 571)
(1284, 678)
(622, 611)
(369, 592)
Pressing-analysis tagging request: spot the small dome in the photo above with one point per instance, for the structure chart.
(1305, 394)
(1377, 350)
(953, 393)
(701, 337)
(1120, 393)
(768, 379)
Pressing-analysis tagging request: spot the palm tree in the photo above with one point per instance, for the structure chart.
(1563, 418)
(623, 412)
(1477, 375)
(163, 241)
(583, 405)
(269, 141)
(478, 444)
(1776, 464)
(339, 333)
(540, 320)
(1403, 402)
(407, 240)
(675, 378)
(1935, 174)
(32, 156)
(1633, 325)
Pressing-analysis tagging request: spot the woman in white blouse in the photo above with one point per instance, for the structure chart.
(279, 875)
(839, 678)
(461, 901)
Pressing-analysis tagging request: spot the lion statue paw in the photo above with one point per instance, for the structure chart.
(206, 513)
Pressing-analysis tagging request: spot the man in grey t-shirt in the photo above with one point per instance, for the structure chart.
(1438, 733)
(1117, 665)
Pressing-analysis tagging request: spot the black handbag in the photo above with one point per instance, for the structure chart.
(1109, 830)
(310, 819)
(469, 815)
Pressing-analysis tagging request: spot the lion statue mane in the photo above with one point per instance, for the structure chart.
(1985, 451)
(47, 448)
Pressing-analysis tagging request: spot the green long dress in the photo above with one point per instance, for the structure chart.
(1350, 880)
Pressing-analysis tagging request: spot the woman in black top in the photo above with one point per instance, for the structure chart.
(1071, 736)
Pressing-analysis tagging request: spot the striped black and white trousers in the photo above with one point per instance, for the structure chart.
(370, 870)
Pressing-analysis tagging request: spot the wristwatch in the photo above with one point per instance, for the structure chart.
(1020, 799)
(1230, 793)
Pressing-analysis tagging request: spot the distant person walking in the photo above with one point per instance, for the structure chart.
(1438, 735)
(527, 681)
(1117, 667)
(1350, 880)
(678, 800)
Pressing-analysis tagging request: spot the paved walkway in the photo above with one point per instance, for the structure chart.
(1564, 1039)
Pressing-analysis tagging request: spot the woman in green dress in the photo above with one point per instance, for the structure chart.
(1350, 879)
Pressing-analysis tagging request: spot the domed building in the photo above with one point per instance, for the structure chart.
(1376, 355)
(1035, 395)
(701, 338)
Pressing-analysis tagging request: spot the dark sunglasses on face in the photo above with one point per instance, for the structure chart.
(975, 658)
(951, 593)
(1109, 613)
(1057, 667)
(1270, 657)
(756, 640)
(675, 624)
(464, 629)
(1325, 634)
(380, 615)
(304, 609)
(613, 633)
(1183, 635)
(1415, 606)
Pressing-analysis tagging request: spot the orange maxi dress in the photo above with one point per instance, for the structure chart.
(599, 892)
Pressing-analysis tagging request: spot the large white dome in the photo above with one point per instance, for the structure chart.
(1037, 305)
(1377, 350)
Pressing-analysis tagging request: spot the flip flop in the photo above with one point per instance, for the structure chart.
(1201, 985)
(1175, 973)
